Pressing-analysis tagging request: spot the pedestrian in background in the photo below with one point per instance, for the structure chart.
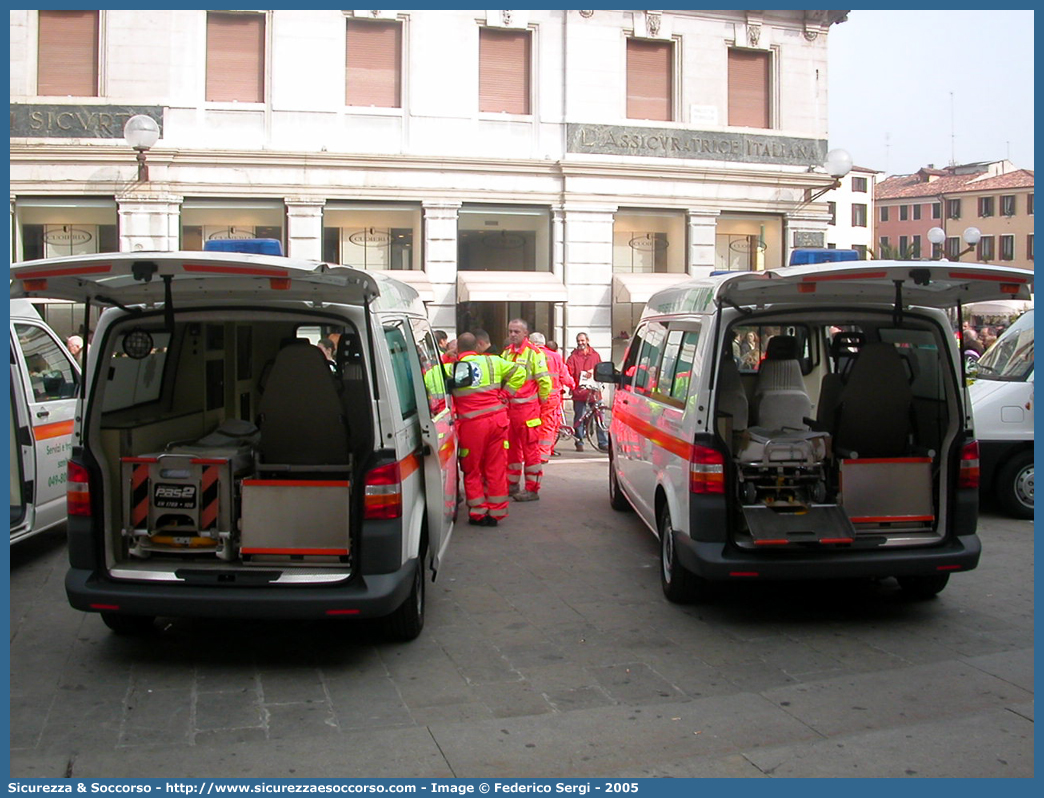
(551, 415)
(524, 411)
(581, 363)
(482, 429)
(74, 344)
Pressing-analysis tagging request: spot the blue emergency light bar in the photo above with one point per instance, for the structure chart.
(253, 246)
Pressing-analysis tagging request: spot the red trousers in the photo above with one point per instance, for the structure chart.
(524, 452)
(550, 421)
(482, 447)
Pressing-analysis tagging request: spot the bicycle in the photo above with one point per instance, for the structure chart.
(593, 418)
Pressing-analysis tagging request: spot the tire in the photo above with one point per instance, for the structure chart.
(1014, 485)
(680, 586)
(129, 625)
(595, 422)
(616, 498)
(923, 587)
(407, 621)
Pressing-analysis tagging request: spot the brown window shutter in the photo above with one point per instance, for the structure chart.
(748, 88)
(235, 57)
(650, 69)
(504, 71)
(67, 55)
(373, 64)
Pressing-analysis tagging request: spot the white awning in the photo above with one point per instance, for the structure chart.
(510, 287)
(639, 286)
(417, 280)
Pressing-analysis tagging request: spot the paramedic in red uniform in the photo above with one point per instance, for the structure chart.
(524, 413)
(482, 430)
(551, 415)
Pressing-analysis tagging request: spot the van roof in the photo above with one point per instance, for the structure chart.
(134, 278)
(937, 284)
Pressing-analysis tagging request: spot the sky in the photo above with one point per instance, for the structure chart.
(892, 74)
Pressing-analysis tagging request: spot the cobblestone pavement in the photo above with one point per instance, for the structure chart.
(549, 651)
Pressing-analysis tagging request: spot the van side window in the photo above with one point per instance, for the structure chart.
(431, 365)
(685, 365)
(630, 361)
(51, 373)
(400, 361)
(646, 373)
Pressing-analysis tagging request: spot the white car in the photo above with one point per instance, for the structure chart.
(224, 467)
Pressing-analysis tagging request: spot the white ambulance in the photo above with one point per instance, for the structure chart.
(45, 384)
(224, 466)
(807, 422)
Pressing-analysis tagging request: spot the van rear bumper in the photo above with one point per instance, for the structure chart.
(369, 596)
(720, 562)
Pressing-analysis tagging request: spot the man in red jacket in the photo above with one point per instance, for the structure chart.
(551, 414)
(525, 471)
(581, 365)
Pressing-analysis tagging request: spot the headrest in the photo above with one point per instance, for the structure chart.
(782, 347)
(846, 342)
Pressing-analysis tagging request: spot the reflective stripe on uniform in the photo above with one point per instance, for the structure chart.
(533, 422)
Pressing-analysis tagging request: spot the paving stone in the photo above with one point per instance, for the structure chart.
(300, 720)
(239, 709)
(156, 716)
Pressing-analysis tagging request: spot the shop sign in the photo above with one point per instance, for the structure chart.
(77, 121)
(747, 245)
(370, 238)
(67, 237)
(805, 238)
(647, 242)
(696, 144)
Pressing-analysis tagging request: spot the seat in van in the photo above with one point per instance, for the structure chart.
(874, 412)
(844, 348)
(780, 398)
(732, 398)
(300, 415)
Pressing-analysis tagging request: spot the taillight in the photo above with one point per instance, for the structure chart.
(706, 470)
(968, 476)
(382, 493)
(77, 490)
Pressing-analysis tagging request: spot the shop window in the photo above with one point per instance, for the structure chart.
(650, 83)
(373, 64)
(50, 227)
(67, 54)
(235, 57)
(749, 88)
(504, 71)
(204, 219)
(748, 243)
(646, 241)
(504, 239)
(371, 236)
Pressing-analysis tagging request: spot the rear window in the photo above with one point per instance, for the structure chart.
(750, 343)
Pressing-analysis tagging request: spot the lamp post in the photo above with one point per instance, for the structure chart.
(971, 236)
(141, 132)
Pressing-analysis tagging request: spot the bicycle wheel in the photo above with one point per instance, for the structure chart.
(595, 424)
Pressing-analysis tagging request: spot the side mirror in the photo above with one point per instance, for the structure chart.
(465, 375)
(606, 372)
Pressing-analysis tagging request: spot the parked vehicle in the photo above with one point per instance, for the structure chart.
(808, 422)
(224, 467)
(1002, 401)
(45, 382)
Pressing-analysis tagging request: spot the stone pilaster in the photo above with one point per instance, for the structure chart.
(440, 263)
(703, 226)
(304, 228)
(149, 223)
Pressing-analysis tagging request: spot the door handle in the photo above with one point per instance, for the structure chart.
(43, 413)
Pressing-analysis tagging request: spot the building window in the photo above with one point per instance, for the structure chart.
(884, 213)
(1029, 246)
(985, 206)
(937, 251)
(986, 251)
(373, 64)
(953, 247)
(953, 209)
(904, 212)
(861, 249)
(859, 184)
(858, 214)
(1007, 247)
(67, 54)
(749, 88)
(915, 249)
(832, 207)
(1008, 205)
(504, 71)
(917, 212)
(936, 210)
(1029, 204)
(650, 85)
(885, 251)
(904, 247)
(235, 57)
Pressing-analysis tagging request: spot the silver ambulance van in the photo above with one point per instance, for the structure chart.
(807, 422)
(45, 383)
(225, 466)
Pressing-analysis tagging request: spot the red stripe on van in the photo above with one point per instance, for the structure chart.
(988, 277)
(297, 483)
(301, 552)
(64, 271)
(209, 268)
(662, 439)
(820, 278)
(408, 465)
(55, 430)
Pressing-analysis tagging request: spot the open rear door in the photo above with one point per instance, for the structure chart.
(22, 459)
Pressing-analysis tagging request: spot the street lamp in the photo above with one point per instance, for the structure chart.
(838, 163)
(141, 132)
(971, 236)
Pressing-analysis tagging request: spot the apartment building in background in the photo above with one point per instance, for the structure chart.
(851, 207)
(995, 197)
(555, 165)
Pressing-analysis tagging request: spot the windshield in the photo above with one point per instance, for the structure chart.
(1010, 359)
